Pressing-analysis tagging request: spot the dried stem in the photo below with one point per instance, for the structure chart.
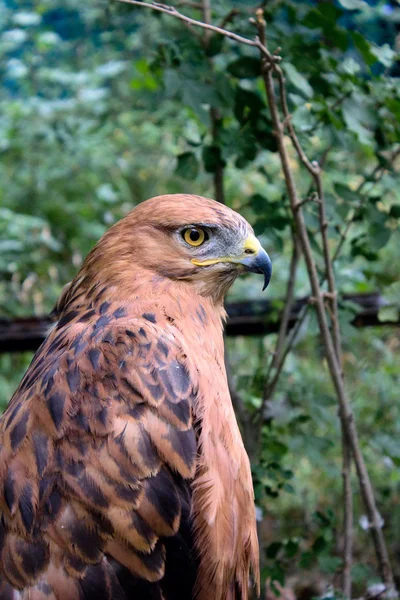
(215, 117)
(347, 515)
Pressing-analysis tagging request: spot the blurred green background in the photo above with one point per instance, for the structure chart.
(104, 105)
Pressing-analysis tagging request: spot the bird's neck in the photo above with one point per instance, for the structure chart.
(136, 284)
(223, 497)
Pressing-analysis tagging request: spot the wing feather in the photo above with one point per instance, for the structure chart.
(95, 447)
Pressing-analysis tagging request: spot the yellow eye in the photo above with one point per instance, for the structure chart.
(195, 236)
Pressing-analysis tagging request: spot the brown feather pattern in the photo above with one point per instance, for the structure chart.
(121, 438)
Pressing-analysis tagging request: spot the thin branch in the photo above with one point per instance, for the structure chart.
(288, 301)
(277, 363)
(346, 447)
(218, 176)
(171, 11)
(215, 117)
(206, 11)
(313, 169)
(347, 515)
(268, 70)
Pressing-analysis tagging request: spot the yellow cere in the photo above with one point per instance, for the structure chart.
(251, 246)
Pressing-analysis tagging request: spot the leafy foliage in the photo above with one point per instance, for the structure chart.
(104, 105)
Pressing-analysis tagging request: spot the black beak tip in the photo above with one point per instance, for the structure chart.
(261, 263)
(267, 276)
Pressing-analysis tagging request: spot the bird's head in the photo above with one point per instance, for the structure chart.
(186, 238)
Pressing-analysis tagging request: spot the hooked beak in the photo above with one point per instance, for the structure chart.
(254, 259)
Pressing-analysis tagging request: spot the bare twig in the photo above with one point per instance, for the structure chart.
(170, 10)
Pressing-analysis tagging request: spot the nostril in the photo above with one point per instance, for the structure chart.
(248, 251)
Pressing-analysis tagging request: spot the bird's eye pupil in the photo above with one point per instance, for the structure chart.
(194, 235)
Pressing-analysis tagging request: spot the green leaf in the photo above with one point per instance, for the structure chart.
(379, 235)
(248, 105)
(384, 54)
(395, 211)
(389, 314)
(212, 158)
(346, 193)
(329, 564)
(359, 118)
(273, 549)
(323, 519)
(287, 487)
(245, 67)
(303, 119)
(353, 4)
(298, 80)
(277, 449)
(215, 45)
(172, 82)
(11, 246)
(319, 545)
(197, 93)
(187, 166)
(364, 47)
(291, 548)
(258, 203)
(306, 560)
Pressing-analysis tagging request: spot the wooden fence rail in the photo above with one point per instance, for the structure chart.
(256, 317)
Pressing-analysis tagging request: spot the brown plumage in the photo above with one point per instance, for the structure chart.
(123, 473)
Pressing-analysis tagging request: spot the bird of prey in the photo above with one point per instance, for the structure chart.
(122, 470)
